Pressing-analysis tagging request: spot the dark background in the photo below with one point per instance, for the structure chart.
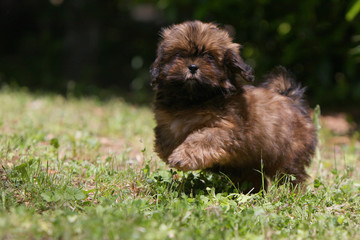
(105, 47)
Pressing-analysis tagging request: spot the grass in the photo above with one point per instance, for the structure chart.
(85, 169)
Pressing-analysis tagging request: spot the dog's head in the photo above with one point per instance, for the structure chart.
(196, 57)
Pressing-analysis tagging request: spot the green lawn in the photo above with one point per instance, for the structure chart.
(85, 169)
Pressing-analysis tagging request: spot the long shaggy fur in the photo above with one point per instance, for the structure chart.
(207, 120)
(279, 80)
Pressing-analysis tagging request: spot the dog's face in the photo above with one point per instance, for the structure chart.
(198, 58)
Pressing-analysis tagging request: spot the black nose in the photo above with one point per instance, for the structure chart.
(193, 68)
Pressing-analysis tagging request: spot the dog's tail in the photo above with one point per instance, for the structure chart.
(281, 81)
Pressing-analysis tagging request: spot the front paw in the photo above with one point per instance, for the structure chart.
(183, 161)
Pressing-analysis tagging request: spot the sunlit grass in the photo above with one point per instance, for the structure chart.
(85, 169)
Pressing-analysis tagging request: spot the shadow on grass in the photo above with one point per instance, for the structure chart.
(190, 183)
(203, 182)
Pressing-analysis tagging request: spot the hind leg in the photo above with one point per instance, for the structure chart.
(295, 175)
(248, 180)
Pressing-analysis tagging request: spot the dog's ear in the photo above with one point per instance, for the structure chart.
(155, 68)
(154, 71)
(237, 65)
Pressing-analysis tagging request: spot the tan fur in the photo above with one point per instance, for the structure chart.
(207, 120)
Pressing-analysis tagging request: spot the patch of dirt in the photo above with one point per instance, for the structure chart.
(338, 123)
(343, 126)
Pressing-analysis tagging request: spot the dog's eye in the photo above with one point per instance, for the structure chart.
(209, 56)
(179, 54)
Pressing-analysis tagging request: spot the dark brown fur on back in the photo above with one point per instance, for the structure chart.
(207, 120)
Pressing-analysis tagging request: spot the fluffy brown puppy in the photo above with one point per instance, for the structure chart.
(206, 119)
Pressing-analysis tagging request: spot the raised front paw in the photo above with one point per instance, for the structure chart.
(183, 161)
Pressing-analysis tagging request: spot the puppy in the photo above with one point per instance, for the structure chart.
(207, 119)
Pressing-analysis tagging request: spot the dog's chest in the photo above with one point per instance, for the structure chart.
(182, 124)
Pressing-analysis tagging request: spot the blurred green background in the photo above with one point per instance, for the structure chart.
(105, 47)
